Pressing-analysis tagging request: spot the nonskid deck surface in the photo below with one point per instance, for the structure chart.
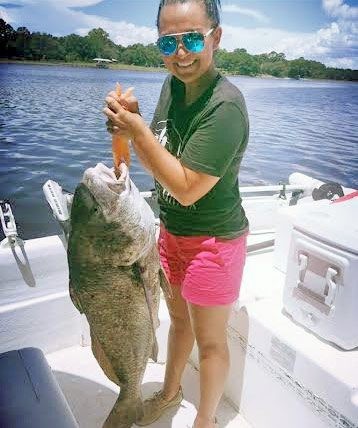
(91, 395)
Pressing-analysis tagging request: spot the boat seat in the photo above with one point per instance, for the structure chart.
(29, 393)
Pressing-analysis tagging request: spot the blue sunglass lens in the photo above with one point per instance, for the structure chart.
(193, 42)
(167, 45)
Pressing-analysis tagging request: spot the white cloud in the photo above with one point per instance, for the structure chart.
(233, 8)
(335, 45)
(338, 9)
(4, 15)
(255, 40)
(66, 3)
(60, 19)
(80, 3)
(122, 33)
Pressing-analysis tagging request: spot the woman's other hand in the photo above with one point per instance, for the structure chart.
(123, 114)
(127, 100)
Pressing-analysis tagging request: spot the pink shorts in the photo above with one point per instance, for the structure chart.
(208, 269)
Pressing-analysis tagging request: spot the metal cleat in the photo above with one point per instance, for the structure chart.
(8, 226)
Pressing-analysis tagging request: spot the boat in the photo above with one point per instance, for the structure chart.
(286, 371)
(102, 62)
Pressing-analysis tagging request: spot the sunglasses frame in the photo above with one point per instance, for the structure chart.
(179, 40)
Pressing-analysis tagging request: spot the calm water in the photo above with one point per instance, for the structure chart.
(51, 127)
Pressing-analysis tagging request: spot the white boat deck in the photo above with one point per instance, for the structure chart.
(91, 395)
(282, 374)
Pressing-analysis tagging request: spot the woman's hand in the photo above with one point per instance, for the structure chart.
(118, 120)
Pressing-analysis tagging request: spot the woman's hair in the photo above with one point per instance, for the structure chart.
(212, 9)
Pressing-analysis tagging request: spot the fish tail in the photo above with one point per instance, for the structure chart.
(124, 413)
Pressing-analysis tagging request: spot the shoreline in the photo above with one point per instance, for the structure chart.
(129, 67)
(80, 64)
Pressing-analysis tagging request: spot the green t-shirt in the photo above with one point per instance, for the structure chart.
(208, 136)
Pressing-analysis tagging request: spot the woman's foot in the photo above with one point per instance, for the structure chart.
(155, 406)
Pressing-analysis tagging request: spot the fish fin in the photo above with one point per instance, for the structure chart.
(155, 350)
(124, 413)
(102, 358)
(75, 298)
(164, 284)
(149, 300)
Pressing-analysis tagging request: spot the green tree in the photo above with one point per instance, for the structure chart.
(139, 54)
(44, 46)
(23, 38)
(7, 40)
(298, 68)
(76, 48)
(100, 44)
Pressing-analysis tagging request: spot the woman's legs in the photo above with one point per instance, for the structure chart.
(210, 328)
(180, 343)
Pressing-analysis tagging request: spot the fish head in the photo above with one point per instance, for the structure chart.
(86, 211)
(106, 226)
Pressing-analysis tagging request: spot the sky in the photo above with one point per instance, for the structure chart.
(321, 30)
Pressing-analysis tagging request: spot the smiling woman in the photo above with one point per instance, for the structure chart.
(193, 149)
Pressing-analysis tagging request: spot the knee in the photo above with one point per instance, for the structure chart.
(209, 349)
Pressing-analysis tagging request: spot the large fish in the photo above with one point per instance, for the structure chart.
(115, 277)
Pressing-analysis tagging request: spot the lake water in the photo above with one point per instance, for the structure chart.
(52, 127)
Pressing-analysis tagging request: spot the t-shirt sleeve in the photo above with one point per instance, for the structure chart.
(219, 138)
(161, 101)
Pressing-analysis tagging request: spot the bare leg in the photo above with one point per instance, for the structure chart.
(180, 343)
(210, 328)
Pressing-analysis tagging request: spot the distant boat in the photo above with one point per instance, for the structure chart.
(102, 62)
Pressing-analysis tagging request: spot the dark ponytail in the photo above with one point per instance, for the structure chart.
(212, 9)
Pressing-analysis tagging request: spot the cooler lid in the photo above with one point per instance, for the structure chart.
(333, 223)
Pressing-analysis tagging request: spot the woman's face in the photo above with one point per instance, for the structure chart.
(181, 17)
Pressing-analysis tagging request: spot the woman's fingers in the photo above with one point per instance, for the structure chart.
(129, 92)
(113, 104)
(126, 100)
(118, 117)
(110, 113)
(113, 129)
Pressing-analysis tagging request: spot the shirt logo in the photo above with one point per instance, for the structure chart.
(161, 133)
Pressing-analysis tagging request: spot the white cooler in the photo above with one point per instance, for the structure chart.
(321, 288)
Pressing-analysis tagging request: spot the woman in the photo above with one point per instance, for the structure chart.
(193, 150)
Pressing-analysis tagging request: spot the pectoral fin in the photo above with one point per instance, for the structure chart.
(149, 300)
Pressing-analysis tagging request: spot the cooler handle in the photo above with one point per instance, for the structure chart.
(302, 266)
(331, 287)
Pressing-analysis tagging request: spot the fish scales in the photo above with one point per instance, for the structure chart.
(113, 262)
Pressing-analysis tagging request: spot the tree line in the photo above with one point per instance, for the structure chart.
(23, 44)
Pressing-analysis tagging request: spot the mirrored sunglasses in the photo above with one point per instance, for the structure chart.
(193, 41)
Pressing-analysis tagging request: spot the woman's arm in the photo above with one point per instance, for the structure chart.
(185, 185)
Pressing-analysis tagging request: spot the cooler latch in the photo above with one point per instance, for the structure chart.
(331, 286)
(316, 282)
